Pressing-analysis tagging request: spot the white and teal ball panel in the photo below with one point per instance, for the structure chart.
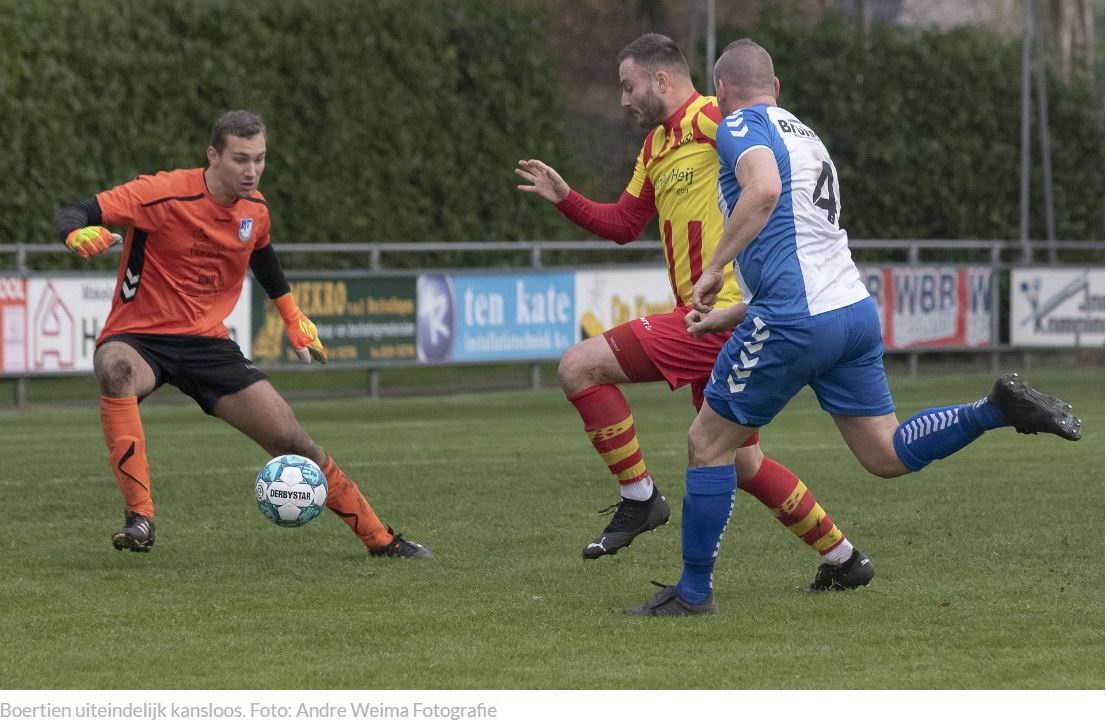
(291, 490)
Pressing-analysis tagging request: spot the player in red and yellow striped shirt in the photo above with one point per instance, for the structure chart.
(191, 234)
(675, 177)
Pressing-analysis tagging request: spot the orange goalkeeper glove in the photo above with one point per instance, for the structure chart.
(302, 333)
(91, 240)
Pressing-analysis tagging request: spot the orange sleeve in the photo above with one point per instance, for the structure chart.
(137, 204)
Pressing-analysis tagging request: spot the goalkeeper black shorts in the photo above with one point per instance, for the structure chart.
(203, 368)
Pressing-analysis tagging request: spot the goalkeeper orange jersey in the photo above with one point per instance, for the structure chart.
(184, 257)
(677, 170)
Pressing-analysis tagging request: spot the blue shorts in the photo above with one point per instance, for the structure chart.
(840, 354)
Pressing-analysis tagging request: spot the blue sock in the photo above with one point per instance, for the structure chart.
(939, 432)
(708, 501)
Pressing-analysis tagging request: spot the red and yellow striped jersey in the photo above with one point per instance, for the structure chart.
(677, 171)
(184, 257)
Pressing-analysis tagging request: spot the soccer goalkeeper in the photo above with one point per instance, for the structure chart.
(191, 234)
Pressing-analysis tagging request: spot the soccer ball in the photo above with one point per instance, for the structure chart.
(291, 490)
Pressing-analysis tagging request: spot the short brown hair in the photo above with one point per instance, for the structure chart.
(238, 123)
(655, 51)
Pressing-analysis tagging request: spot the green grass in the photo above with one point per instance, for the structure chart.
(990, 565)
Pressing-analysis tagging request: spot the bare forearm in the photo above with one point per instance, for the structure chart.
(750, 215)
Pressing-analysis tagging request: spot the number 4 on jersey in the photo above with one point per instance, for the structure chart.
(828, 203)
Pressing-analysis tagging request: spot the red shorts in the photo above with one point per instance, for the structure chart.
(659, 347)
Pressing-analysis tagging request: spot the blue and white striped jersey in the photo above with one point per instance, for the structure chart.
(800, 264)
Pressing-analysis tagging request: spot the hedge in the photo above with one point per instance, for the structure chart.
(400, 120)
(924, 130)
(395, 120)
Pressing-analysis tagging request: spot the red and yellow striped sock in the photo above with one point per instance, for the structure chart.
(122, 426)
(346, 500)
(610, 426)
(793, 505)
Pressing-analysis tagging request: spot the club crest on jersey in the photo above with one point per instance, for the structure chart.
(245, 229)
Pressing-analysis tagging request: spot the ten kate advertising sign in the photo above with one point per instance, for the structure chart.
(606, 299)
(358, 319)
(495, 317)
(932, 306)
(1057, 307)
(52, 322)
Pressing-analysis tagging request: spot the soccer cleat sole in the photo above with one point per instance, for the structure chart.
(834, 586)
(122, 541)
(1033, 412)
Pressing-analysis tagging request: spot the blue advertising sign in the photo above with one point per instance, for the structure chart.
(437, 321)
(495, 317)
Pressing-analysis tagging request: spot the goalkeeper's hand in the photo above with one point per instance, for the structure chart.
(302, 333)
(91, 240)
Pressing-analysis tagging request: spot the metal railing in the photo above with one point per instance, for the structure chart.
(535, 254)
(380, 259)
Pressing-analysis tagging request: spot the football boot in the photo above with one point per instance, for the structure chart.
(855, 572)
(137, 533)
(668, 602)
(1032, 412)
(630, 519)
(400, 547)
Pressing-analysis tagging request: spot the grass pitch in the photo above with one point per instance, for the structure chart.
(989, 565)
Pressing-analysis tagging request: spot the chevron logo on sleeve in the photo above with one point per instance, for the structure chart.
(737, 125)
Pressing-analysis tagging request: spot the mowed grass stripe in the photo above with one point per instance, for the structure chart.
(989, 564)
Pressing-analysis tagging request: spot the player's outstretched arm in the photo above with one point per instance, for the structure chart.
(621, 222)
(541, 180)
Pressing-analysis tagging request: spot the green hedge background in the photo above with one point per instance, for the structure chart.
(924, 130)
(401, 120)
(387, 121)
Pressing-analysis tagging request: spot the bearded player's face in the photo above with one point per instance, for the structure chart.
(240, 164)
(639, 94)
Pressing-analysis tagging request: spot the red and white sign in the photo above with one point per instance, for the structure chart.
(932, 306)
(51, 323)
(13, 324)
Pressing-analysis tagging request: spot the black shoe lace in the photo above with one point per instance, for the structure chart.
(625, 515)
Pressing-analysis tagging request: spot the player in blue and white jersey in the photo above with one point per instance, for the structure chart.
(809, 321)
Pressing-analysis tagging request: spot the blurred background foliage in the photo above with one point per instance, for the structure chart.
(401, 120)
(386, 122)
